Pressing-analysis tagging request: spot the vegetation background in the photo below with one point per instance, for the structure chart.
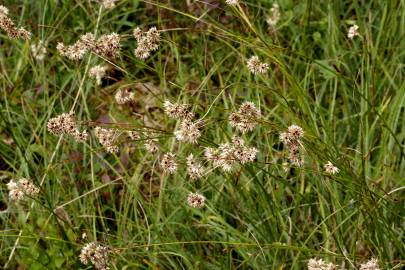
(347, 95)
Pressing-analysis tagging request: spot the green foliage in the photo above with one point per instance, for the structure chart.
(347, 95)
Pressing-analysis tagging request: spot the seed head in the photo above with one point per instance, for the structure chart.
(177, 111)
(232, 2)
(194, 170)
(245, 119)
(98, 72)
(256, 66)
(66, 124)
(169, 163)
(274, 15)
(107, 138)
(372, 264)
(108, 4)
(319, 264)
(9, 27)
(151, 146)
(330, 168)
(188, 132)
(196, 200)
(38, 51)
(17, 190)
(353, 31)
(147, 42)
(124, 96)
(95, 254)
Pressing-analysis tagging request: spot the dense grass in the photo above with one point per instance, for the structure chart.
(348, 96)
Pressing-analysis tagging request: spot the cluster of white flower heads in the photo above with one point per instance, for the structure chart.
(330, 168)
(95, 254)
(107, 138)
(256, 66)
(245, 119)
(124, 96)
(188, 132)
(196, 200)
(66, 124)
(147, 42)
(232, 2)
(17, 190)
(372, 264)
(274, 15)
(107, 46)
(178, 111)
(108, 4)
(227, 155)
(353, 31)
(169, 163)
(319, 264)
(9, 27)
(194, 169)
(98, 72)
(38, 51)
(291, 139)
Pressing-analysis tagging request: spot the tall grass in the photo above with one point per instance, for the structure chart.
(347, 95)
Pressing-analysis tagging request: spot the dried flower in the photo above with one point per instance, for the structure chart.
(227, 155)
(372, 264)
(177, 111)
(353, 31)
(95, 254)
(147, 42)
(196, 200)
(66, 124)
(169, 163)
(98, 72)
(38, 51)
(188, 132)
(330, 168)
(9, 27)
(256, 66)
(108, 4)
(245, 118)
(275, 15)
(107, 138)
(194, 170)
(291, 139)
(151, 146)
(124, 96)
(17, 190)
(232, 2)
(319, 264)
(107, 46)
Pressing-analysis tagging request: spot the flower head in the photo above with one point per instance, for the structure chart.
(17, 190)
(330, 168)
(169, 163)
(107, 138)
(232, 2)
(372, 264)
(38, 51)
(98, 72)
(353, 31)
(194, 170)
(95, 254)
(124, 96)
(108, 4)
(66, 124)
(274, 15)
(151, 146)
(188, 132)
(319, 264)
(196, 200)
(177, 111)
(147, 42)
(256, 66)
(245, 119)
(9, 27)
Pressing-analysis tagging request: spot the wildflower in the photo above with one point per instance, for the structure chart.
(107, 138)
(107, 46)
(17, 190)
(330, 168)
(194, 170)
(108, 4)
(169, 163)
(98, 72)
(227, 155)
(196, 200)
(133, 135)
(319, 264)
(151, 146)
(66, 124)
(372, 264)
(95, 254)
(275, 15)
(177, 111)
(245, 118)
(256, 66)
(124, 96)
(291, 139)
(232, 2)
(353, 31)
(147, 42)
(188, 132)
(38, 51)
(9, 27)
